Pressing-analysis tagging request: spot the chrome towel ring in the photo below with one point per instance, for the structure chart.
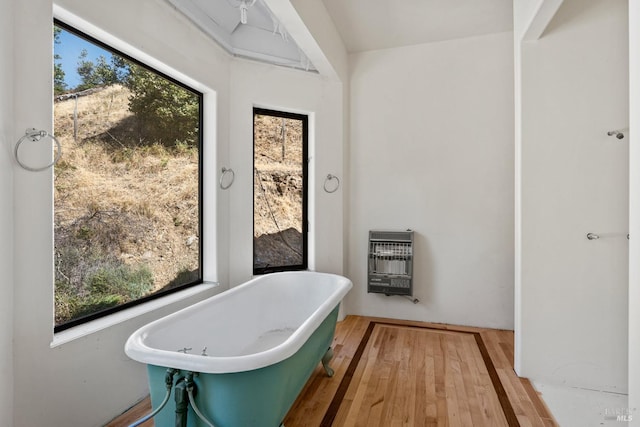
(226, 171)
(37, 135)
(327, 180)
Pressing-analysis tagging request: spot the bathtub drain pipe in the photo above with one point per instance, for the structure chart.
(191, 387)
(168, 380)
(182, 403)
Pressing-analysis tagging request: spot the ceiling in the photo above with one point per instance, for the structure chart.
(261, 38)
(363, 25)
(380, 24)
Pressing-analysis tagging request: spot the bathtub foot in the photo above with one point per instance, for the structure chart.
(325, 362)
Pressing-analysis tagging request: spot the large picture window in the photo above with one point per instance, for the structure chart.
(127, 191)
(279, 191)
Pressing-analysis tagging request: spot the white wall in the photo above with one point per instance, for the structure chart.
(89, 380)
(295, 91)
(634, 209)
(574, 180)
(526, 13)
(431, 149)
(329, 54)
(323, 97)
(6, 210)
(523, 11)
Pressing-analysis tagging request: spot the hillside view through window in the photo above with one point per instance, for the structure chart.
(127, 210)
(279, 191)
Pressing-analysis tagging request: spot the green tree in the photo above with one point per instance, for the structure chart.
(101, 73)
(59, 85)
(167, 113)
(85, 70)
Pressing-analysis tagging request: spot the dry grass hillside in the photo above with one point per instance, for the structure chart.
(119, 202)
(126, 209)
(277, 191)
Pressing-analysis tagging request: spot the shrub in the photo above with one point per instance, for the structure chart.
(166, 113)
(121, 280)
(89, 274)
(107, 287)
(66, 302)
(96, 303)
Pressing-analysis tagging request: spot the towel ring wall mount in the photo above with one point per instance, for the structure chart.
(327, 180)
(596, 236)
(225, 172)
(36, 135)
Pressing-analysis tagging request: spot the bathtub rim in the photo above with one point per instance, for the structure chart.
(138, 350)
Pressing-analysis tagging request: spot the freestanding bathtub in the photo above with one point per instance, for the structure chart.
(252, 348)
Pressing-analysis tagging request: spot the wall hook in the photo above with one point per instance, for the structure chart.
(617, 133)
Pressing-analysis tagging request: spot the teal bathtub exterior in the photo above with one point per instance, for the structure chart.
(255, 398)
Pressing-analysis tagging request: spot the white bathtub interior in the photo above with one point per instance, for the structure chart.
(249, 322)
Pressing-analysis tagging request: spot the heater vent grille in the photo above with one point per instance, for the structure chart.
(390, 263)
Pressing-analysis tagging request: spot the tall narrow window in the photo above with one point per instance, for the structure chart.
(127, 205)
(279, 191)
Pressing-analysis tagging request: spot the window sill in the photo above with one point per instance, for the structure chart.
(93, 326)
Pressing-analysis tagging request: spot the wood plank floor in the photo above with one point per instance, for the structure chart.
(400, 373)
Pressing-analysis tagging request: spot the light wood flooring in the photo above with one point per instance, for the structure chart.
(392, 373)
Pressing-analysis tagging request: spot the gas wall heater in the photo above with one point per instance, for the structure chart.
(390, 262)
